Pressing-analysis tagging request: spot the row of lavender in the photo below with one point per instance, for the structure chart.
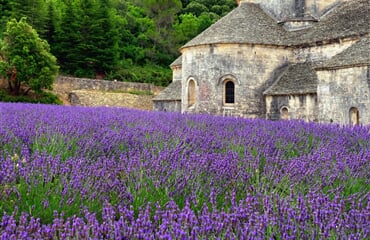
(70, 172)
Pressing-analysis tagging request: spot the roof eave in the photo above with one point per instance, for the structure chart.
(344, 66)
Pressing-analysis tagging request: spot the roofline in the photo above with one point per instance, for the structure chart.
(344, 66)
(331, 40)
(233, 43)
(286, 94)
(278, 78)
(294, 45)
(299, 20)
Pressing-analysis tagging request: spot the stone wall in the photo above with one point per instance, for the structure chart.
(340, 91)
(93, 92)
(277, 8)
(167, 106)
(321, 53)
(109, 99)
(250, 67)
(282, 9)
(303, 107)
(176, 73)
(64, 85)
(319, 7)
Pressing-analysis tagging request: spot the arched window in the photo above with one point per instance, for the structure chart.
(354, 116)
(284, 113)
(229, 92)
(191, 93)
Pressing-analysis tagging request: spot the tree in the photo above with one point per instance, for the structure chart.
(86, 43)
(25, 59)
(163, 12)
(5, 11)
(106, 39)
(34, 10)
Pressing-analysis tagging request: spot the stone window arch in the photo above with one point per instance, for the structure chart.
(354, 116)
(228, 83)
(284, 113)
(191, 92)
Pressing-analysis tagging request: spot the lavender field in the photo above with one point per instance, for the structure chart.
(109, 173)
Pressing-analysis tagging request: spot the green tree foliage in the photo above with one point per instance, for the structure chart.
(163, 13)
(190, 25)
(5, 11)
(25, 59)
(86, 43)
(138, 36)
(127, 40)
(196, 8)
(34, 10)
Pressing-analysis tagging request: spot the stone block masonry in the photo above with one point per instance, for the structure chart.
(94, 92)
(110, 99)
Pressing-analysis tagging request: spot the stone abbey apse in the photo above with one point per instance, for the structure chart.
(278, 59)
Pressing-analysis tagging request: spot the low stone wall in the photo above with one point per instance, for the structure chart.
(94, 92)
(109, 99)
(64, 85)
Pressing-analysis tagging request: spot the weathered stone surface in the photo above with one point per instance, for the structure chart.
(167, 105)
(93, 92)
(342, 89)
(281, 9)
(109, 99)
(64, 85)
(322, 52)
(357, 54)
(302, 107)
(245, 65)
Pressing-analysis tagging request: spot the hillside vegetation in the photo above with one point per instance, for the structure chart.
(127, 40)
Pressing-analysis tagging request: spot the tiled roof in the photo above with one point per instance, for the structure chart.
(351, 18)
(247, 23)
(356, 55)
(177, 62)
(296, 79)
(172, 92)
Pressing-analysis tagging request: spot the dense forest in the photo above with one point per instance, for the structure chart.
(126, 40)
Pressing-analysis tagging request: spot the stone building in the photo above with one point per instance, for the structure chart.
(278, 59)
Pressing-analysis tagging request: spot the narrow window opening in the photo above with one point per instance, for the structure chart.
(191, 93)
(229, 92)
(354, 116)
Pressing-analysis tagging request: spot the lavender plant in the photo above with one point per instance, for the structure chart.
(112, 173)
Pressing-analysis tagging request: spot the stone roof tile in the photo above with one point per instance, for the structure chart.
(177, 62)
(351, 18)
(298, 78)
(247, 23)
(170, 93)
